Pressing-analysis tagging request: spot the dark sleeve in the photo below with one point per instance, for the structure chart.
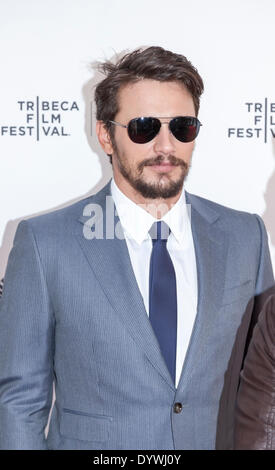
(264, 288)
(255, 412)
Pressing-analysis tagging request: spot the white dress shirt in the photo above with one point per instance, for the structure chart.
(136, 222)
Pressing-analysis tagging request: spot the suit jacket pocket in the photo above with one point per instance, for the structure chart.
(237, 293)
(84, 426)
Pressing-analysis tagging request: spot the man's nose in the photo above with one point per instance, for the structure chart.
(164, 141)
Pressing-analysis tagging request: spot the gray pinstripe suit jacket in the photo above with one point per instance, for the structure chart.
(71, 313)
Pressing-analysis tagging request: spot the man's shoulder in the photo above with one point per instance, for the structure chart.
(229, 218)
(59, 216)
(202, 204)
(65, 216)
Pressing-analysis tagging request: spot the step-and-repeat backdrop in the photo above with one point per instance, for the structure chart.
(49, 156)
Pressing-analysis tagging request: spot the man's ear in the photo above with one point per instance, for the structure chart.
(104, 138)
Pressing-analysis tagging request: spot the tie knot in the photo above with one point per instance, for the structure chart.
(159, 231)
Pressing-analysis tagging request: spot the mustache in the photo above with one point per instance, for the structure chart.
(160, 158)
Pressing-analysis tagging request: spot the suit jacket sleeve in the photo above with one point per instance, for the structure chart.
(255, 416)
(26, 347)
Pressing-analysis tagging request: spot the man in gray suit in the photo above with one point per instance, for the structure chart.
(135, 302)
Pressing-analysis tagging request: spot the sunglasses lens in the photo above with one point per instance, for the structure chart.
(185, 129)
(144, 129)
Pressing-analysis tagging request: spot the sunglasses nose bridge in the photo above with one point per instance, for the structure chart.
(164, 129)
(164, 139)
(168, 123)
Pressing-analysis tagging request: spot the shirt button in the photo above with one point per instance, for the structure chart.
(177, 408)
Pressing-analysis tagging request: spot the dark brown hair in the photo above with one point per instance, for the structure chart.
(152, 63)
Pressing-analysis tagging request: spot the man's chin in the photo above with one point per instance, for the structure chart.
(159, 190)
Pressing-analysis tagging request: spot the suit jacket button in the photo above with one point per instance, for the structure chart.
(177, 408)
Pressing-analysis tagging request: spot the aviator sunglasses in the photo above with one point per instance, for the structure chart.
(143, 129)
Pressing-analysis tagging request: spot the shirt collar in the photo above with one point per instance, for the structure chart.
(136, 221)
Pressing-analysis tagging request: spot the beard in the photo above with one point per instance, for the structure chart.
(164, 188)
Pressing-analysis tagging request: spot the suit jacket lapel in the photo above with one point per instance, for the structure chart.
(109, 259)
(211, 245)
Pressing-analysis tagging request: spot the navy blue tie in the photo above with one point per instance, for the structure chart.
(163, 296)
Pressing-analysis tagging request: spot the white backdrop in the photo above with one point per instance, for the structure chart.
(49, 156)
